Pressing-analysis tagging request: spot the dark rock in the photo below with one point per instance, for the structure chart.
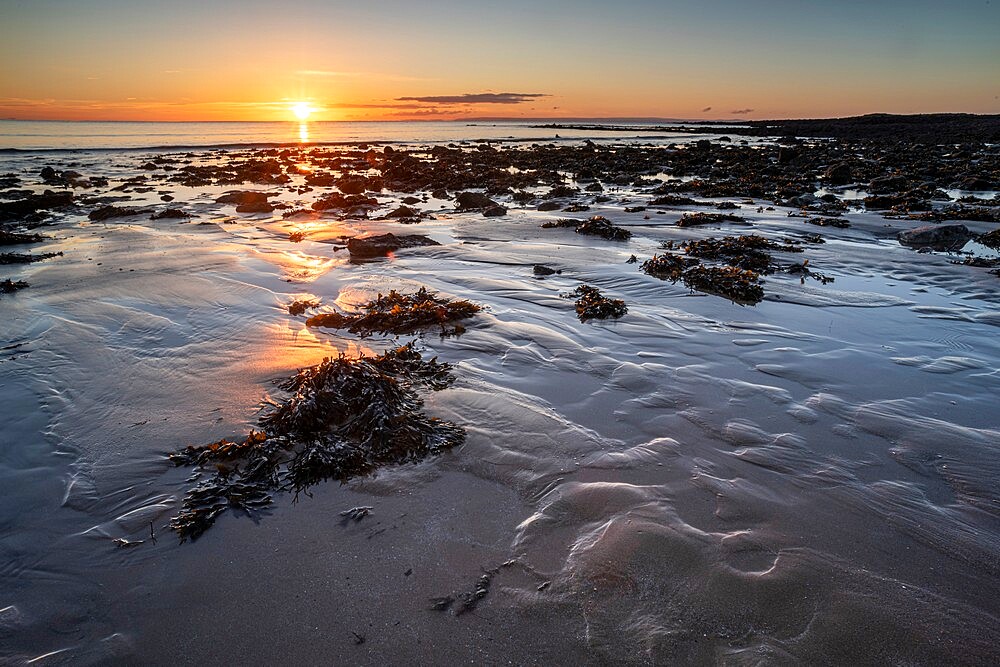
(255, 207)
(838, 174)
(495, 212)
(403, 212)
(473, 201)
(33, 203)
(888, 184)
(169, 214)
(244, 198)
(787, 154)
(353, 185)
(108, 212)
(382, 245)
(540, 270)
(938, 237)
(974, 184)
(549, 206)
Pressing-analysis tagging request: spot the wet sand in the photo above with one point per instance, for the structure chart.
(808, 480)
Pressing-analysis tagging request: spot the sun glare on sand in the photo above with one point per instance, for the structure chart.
(302, 110)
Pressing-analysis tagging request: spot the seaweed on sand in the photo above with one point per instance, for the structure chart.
(700, 218)
(736, 284)
(26, 258)
(668, 266)
(343, 418)
(744, 252)
(400, 313)
(739, 285)
(300, 306)
(9, 286)
(990, 239)
(591, 304)
(14, 238)
(597, 225)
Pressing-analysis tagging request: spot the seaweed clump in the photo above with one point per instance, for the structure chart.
(401, 313)
(700, 218)
(14, 238)
(596, 225)
(591, 304)
(739, 285)
(990, 239)
(744, 252)
(343, 418)
(9, 286)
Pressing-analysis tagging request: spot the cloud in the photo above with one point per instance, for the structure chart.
(475, 98)
(741, 112)
(706, 109)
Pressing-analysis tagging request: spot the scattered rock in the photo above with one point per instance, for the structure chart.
(938, 237)
(383, 244)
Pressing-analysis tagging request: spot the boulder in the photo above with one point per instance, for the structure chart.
(938, 237)
(244, 198)
(975, 184)
(32, 203)
(838, 174)
(383, 244)
(887, 184)
(472, 201)
(495, 211)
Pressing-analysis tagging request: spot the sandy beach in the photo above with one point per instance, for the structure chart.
(777, 451)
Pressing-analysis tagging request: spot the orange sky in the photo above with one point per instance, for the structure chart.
(223, 60)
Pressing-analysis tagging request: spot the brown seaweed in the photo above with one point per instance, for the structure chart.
(738, 285)
(700, 218)
(343, 418)
(8, 286)
(591, 304)
(597, 225)
(399, 313)
(15, 238)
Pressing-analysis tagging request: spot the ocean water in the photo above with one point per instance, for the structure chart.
(812, 480)
(60, 135)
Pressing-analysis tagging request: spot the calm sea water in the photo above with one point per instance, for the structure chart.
(60, 135)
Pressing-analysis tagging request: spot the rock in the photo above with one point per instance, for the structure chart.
(786, 154)
(255, 207)
(806, 199)
(938, 237)
(495, 212)
(49, 175)
(32, 203)
(169, 214)
(975, 184)
(352, 185)
(403, 212)
(244, 198)
(838, 174)
(549, 206)
(887, 184)
(472, 201)
(380, 246)
(108, 212)
(541, 270)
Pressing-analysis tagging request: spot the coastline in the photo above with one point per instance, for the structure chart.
(696, 481)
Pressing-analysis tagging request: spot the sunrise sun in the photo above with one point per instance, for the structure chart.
(302, 110)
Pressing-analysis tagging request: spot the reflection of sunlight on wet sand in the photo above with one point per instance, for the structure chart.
(290, 345)
(298, 266)
(304, 133)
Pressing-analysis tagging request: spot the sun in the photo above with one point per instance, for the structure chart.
(302, 110)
